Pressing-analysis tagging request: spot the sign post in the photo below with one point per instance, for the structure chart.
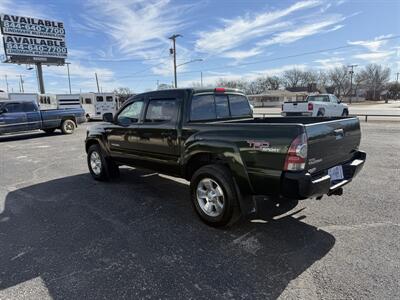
(33, 41)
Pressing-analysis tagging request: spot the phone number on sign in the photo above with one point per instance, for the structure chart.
(41, 50)
(32, 28)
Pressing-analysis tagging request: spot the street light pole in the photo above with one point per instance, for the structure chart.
(69, 78)
(173, 51)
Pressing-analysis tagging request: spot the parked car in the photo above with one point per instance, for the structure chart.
(209, 137)
(321, 105)
(25, 115)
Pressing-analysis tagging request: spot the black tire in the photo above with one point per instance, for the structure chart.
(108, 169)
(49, 130)
(87, 118)
(222, 178)
(320, 113)
(68, 126)
(345, 113)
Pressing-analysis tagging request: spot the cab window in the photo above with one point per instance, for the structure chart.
(88, 101)
(162, 110)
(202, 108)
(14, 107)
(222, 106)
(99, 98)
(239, 106)
(109, 99)
(132, 111)
(29, 107)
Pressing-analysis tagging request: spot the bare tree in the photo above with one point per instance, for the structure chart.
(340, 80)
(374, 78)
(123, 93)
(292, 78)
(235, 84)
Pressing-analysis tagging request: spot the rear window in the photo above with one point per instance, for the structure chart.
(109, 99)
(99, 98)
(318, 98)
(29, 106)
(219, 106)
(203, 108)
(239, 106)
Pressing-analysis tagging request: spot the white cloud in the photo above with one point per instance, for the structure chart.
(376, 56)
(25, 9)
(372, 45)
(303, 31)
(138, 28)
(235, 32)
(238, 55)
(329, 63)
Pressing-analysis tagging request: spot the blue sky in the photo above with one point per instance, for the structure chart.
(126, 42)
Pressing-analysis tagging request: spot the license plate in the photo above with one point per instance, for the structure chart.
(336, 173)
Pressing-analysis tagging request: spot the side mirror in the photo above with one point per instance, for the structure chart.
(339, 101)
(125, 121)
(108, 117)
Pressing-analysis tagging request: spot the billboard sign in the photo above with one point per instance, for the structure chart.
(16, 25)
(31, 40)
(30, 46)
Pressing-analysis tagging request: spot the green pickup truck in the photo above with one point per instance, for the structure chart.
(210, 137)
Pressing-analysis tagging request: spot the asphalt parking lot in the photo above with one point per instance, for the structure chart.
(63, 235)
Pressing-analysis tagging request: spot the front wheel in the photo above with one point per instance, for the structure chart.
(345, 113)
(214, 196)
(68, 126)
(100, 167)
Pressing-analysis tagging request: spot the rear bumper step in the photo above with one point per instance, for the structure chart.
(301, 185)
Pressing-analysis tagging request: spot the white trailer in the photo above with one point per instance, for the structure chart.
(97, 104)
(59, 101)
(23, 97)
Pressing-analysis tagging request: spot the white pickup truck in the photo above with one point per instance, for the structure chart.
(327, 105)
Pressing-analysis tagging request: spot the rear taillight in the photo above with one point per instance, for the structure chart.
(310, 106)
(297, 154)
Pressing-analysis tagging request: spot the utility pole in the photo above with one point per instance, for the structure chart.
(397, 77)
(69, 78)
(22, 84)
(351, 80)
(97, 82)
(5, 76)
(201, 79)
(173, 51)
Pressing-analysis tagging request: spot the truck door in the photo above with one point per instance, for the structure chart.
(33, 116)
(13, 118)
(122, 136)
(157, 134)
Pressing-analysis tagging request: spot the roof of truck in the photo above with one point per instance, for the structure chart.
(197, 90)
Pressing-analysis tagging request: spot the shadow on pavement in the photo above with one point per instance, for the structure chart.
(139, 237)
(27, 136)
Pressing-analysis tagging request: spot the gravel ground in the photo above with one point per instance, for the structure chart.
(65, 236)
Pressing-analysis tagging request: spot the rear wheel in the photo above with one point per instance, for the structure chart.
(68, 126)
(320, 113)
(213, 195)
(100, 167)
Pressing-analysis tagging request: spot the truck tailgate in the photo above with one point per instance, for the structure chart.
(295, 106)
(331, 143)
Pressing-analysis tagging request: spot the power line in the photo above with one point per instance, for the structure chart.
(267, 60)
